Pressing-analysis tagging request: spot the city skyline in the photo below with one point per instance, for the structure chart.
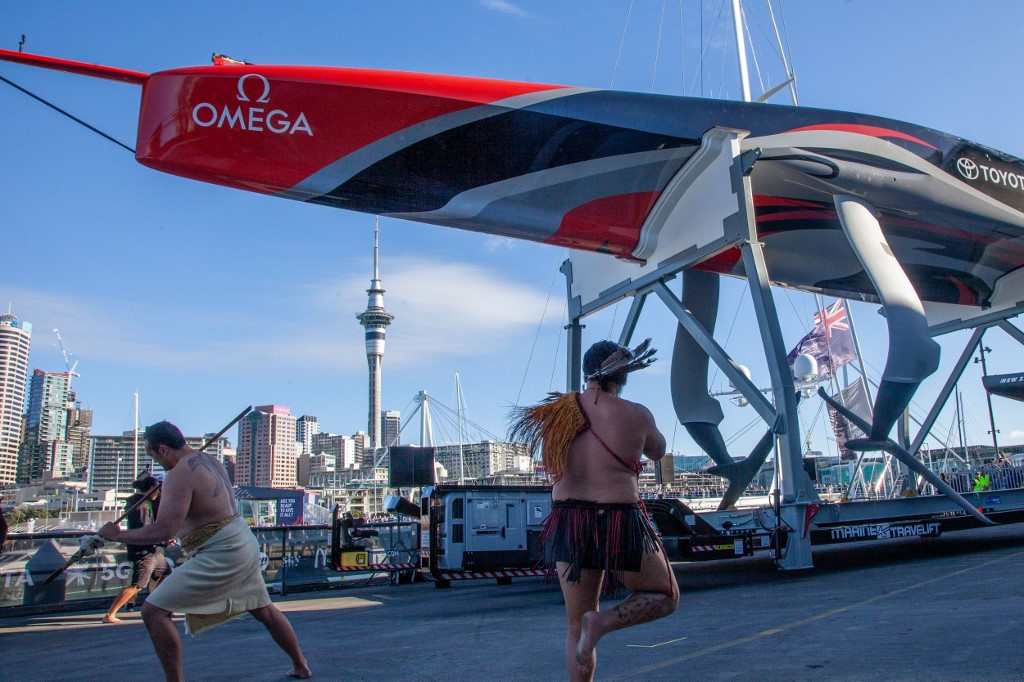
(230, 298)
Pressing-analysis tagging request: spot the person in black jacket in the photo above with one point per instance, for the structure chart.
(148, 561)
(3, 525)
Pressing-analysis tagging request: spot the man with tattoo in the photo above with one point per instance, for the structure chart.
(221, 579)
(598, 532)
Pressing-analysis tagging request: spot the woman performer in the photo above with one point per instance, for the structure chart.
(598, 532)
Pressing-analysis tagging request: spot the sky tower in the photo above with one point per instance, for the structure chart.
(375, 320)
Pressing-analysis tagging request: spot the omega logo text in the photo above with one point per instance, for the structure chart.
(250, 118)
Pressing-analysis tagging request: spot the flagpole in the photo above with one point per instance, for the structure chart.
(860, 356)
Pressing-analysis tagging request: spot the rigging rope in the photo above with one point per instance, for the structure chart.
(731, 327)
(540, 325)
(792, 66)
(707, 45)
(657, 47)
(73, 118)
(621, 43)
(558, 346)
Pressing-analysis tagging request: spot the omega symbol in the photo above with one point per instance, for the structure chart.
(265, 97)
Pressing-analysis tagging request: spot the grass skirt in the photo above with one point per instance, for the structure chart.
(600, 536)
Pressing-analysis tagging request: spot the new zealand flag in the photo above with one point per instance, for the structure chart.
(830, 342)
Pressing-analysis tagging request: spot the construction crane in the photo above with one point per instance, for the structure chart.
(67, 362)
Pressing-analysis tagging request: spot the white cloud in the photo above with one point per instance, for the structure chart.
(441, 310)
(505, 7)
(1017, 435)
(494, 244)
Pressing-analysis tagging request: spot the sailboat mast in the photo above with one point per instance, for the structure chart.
(791, 79)
(135, 464)
(741, 49)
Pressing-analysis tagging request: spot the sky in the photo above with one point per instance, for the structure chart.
(204, 299)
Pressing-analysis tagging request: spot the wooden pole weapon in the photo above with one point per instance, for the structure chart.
(149, 494)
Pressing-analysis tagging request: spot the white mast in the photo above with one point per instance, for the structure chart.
(135, 467)
(426, 426)
(458, 409)
(741, 49)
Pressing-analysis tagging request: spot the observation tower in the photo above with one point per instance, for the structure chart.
(375, 320)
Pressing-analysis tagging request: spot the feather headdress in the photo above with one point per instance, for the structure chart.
(551, 425)
(624, 361)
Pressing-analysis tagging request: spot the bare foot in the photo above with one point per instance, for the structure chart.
(302, 672)
(113, 620)
(588, 642)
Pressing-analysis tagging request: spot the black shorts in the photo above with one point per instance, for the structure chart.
(149, 567)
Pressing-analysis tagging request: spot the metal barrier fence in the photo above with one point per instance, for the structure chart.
(291, 557)
(1000, 478)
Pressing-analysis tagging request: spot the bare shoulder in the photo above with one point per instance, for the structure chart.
(641, 411)
(201, 460)
(177, 478)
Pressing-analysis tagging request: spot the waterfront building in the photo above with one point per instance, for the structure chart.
(267, 453)
(114, 461)
(310, 465)
(341, 448)
(375, 320)
(44, 445)
(15, 340)
(390, 427)
(480, 460)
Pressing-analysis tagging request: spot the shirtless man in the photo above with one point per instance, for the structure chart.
(597, 522)
(221, 579)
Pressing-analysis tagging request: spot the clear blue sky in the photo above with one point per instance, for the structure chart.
(206, 299)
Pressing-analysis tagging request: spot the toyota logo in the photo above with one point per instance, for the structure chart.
(967, 168)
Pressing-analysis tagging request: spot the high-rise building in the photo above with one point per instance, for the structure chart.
(15, 339)
(364, 450)
(79, 425)
(305, 428)
(267, 452)
(341, 448)
(390, 426)
(375, 320)
(112, 460)
(116, 461)
(45, 445)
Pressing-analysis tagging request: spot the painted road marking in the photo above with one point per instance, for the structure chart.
(804, 621)
(652, 646)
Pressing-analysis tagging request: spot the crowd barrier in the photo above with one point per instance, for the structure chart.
(291, 558)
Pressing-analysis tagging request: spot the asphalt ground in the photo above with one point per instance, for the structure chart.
(947, 608)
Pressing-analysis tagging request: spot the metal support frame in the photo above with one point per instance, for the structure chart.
(721, 162)
(957, 372)
(629, 325)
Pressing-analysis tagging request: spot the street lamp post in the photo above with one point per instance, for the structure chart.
(988, 396)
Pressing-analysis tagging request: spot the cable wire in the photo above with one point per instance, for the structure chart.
(72, 117)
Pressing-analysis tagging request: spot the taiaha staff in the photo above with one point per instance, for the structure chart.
(89, 547)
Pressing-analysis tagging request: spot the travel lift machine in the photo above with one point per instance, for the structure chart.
(712, 195)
